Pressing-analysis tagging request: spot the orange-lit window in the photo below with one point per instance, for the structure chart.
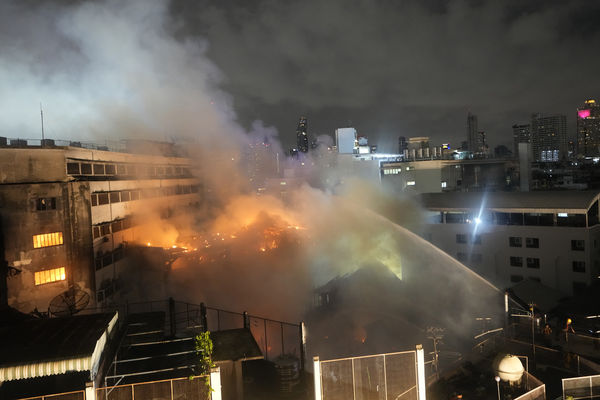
(50, 275)
(47, 239)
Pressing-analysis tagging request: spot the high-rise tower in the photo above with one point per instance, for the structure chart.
(549, 137)
(473, 133)
(302, 135)
(588, 129)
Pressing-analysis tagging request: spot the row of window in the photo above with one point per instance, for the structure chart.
(103, 169)
(526, 219)
(105, 259)
(101, 198)
(532, 262)
(47, 240)
(578, 287)
(111, 227)
(464, 238)
(49, 276)
(532, 243)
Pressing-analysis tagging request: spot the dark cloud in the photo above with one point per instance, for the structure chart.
(410, 67)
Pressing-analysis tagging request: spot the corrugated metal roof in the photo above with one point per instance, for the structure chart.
(548, 200)
(50, 346)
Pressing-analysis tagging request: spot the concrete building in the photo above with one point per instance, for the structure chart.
(521, 134)
(549, 137)
(439, 175)
(345, 140)
(551, 237)
(473, 138)
(68, 213)
(588, 129)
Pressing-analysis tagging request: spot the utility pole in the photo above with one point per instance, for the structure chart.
(435, 334)
(532, 308)
(42, 118)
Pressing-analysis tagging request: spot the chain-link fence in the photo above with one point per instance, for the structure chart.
(392, 376)
(584, 387)
(196, 388)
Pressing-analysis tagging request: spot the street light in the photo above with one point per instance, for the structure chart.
(497, 378)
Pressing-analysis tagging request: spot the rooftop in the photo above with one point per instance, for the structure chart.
(538, 200)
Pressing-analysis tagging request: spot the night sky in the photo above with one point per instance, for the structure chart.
(389, 68)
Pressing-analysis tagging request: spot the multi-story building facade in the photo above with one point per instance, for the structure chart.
(588, 129)
(551, 237)
(67, 214)
(302, 135)
(549, 137)
(521, 134)
(473, 137)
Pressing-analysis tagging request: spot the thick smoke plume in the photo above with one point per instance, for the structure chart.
(111, 70)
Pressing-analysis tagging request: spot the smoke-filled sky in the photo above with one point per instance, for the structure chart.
(410, 68)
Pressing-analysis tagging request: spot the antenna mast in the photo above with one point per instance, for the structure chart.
(42, 117)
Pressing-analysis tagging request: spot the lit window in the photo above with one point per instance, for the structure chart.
(47, 239)
(50, 275)
(410, 183)
(444, 184)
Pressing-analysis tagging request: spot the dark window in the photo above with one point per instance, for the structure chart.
(98, 169)
(516, 261)
(514, 241)
(114, 197)
(538, 219)
(532, 243)
(116, 226)
(578, 266)
(476, 239)
(456, 218)
(105, 229)
(100, 296)
(533, 263)
(107, 260)
(96, 232)
(102, 198)
(125, 195)
(578, 287)
(516, 278)
(185, 171)
(45, 203)
(476, 258)
(94, 200)
(178, 171)
(186, 189)
(135, 195)
(178, 189)
(126, 223)
(131, 170)
(160, 171)
(462, 257)
(117, 255)
(110, 169)
(98, 262)
(578, 245)
(195, 190)
(461, 238)
(86, 169)
(121, 169)
(169, 171)
(73, 168)
(534, 278)
(574, 220)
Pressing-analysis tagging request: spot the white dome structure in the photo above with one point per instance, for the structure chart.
(510, 369)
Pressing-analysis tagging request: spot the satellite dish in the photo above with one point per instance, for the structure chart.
(69, 302)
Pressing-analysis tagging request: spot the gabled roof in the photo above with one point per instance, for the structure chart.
(538, 200)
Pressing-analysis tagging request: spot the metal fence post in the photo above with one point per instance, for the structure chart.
(215, 383)
(317, 377)
(203, 317)
(282, 347)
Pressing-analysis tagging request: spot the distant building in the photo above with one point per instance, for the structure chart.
(549, 137)
(67, 214)
(588, 129)
(302, 135)
(550, 237)
(473, 137)
(521, 134)
(402, 144)
(346, 140)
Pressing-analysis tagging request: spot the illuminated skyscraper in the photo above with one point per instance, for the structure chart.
(588, 129)
(549, 137)
(302, 135)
